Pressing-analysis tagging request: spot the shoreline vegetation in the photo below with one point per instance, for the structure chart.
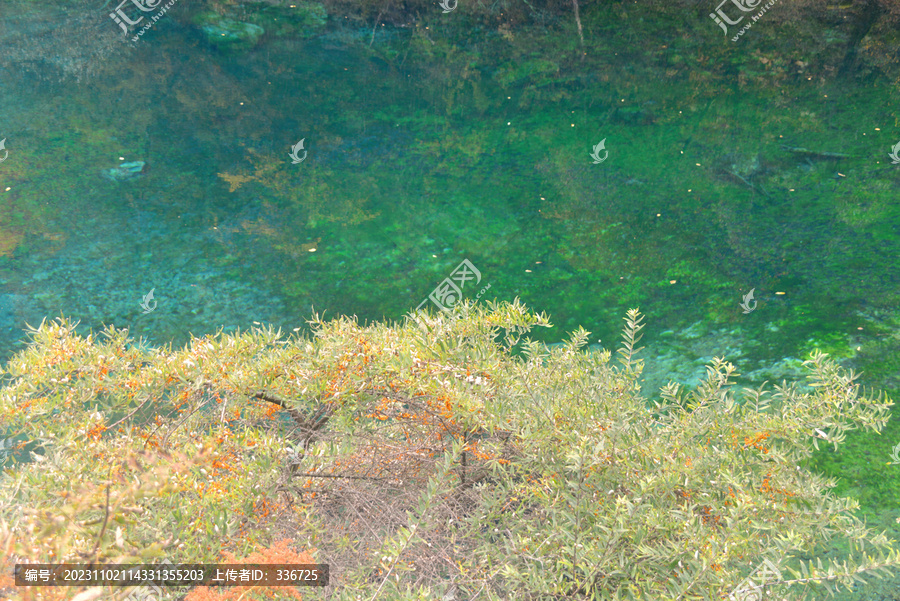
(461, 461)
(450, 456)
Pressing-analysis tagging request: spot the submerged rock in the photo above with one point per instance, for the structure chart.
(125, 171)
(228, 34)
(297, 19)
(632, 115)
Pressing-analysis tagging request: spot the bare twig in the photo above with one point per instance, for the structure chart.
(375, 28)
(103, 528)
(814, 153)
(111, 426)
(578, 22)
(224, 404)
(178, 425)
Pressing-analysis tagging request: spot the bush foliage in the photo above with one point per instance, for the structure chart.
(451, 457)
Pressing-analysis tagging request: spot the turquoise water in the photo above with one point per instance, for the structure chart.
(731, 167)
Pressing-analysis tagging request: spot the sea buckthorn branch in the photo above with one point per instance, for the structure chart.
(732, 504)
(179, 424)
(93, 553)
(296, 415)
(186, 394)
(56, 530)
(307, 426)
(755, 440)
(424, 410)
(818, 575)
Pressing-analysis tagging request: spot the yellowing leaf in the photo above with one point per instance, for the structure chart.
(235, 181)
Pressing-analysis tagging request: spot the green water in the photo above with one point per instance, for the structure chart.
(427, 147)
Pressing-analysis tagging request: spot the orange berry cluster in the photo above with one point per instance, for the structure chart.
(755, 442)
